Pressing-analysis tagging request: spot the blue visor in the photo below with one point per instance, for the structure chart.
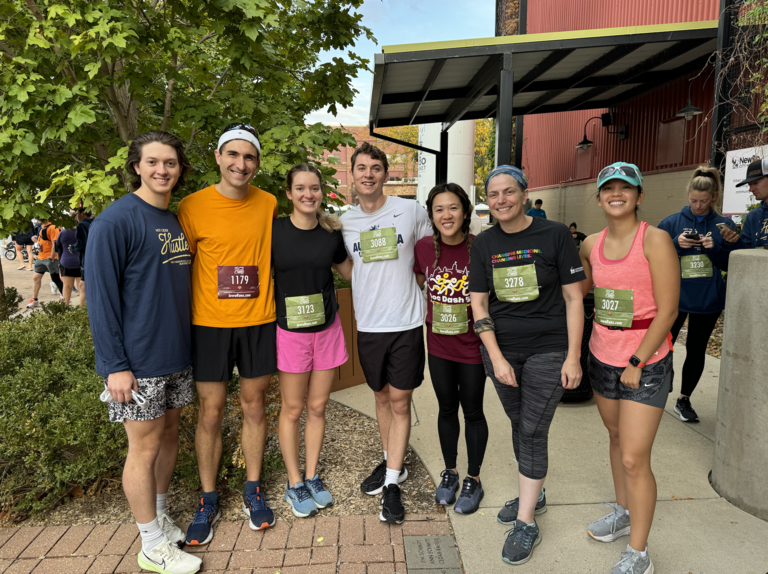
(628, 172)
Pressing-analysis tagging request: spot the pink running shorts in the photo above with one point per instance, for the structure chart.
(303, 352)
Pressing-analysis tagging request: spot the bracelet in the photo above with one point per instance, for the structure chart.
(483, 325)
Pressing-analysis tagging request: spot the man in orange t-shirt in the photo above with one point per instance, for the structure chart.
(229, 229)
(47, 262)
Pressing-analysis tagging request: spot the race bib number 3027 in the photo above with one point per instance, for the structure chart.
(614, 307)
(237, 282)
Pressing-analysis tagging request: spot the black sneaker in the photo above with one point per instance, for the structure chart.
(685, 411)
(471, 495)
(373, 484)
(508, 514)
(446, 492)
(392, 509)
(521, 540)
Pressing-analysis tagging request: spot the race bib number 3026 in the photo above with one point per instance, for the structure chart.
(238, 282)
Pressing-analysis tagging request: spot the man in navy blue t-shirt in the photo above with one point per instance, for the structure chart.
(536, 210)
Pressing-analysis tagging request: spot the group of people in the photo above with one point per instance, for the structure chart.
(61, 255)
(177, 302)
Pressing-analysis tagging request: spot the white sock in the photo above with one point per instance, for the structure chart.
(151, 535)
(392, 476)
(161, 503)
(626, 512)
(385, 455)
(644, 553)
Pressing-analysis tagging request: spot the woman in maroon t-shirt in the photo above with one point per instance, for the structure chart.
(455, 365)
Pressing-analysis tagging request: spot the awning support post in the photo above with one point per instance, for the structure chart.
(722, 86)
(504, 117)
(441, 173)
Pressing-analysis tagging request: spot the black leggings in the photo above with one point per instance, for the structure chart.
(700, 327)
(454, 384)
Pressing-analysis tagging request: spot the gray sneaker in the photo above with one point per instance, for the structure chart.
(446, 492)
(508, 514)
(520, 543)
(632, 562)
(469, 499)
(611, 526)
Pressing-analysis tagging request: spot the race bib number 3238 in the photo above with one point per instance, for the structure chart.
(238, 282)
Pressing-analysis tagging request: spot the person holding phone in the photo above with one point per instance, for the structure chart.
(525, 287)
(754, 234)
(700, 246)
(636, 274)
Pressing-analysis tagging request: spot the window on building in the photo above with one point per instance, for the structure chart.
(336, 156)
(670, 142)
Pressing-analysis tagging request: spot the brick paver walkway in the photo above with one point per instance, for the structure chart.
(321, 545)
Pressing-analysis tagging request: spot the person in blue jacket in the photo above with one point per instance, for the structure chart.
(536, 210)
(754, 232)
(703, 255)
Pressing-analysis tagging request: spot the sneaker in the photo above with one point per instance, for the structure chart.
(300, 500)
(374, 483)
(171, 531)
(520, 542)
(22, 266)
(508, 514)
(33, 304)
(471, 495)
(54, 289)
(166, 558)
(392, 509)
(30, 268)
(446, 492)
(632, 562)
(611, 526)
(317, 490)
(201, 530)
(255, 507)
(74, 290)
(685, 411)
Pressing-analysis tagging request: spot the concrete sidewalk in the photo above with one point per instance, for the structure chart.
(695, 530)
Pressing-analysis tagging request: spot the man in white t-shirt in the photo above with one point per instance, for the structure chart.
(380, 235)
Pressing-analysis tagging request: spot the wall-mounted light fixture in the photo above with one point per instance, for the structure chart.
(689, 110)
(607, 121)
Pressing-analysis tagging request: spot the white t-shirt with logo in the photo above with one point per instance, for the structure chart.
(385, 293)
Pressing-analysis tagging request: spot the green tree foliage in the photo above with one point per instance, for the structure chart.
(80, 79)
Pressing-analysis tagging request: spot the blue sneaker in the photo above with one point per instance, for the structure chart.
(255, 508)
(201, 530)
(300, 500)
(318, 492)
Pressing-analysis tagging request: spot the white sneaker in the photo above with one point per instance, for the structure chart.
(166, 558)
(171, 531)
(54, 290)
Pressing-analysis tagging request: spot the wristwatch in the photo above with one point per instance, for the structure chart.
(635, 362)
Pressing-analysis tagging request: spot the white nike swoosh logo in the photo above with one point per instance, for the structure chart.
(647, 385)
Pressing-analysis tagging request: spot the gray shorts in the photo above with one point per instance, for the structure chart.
(654, 386)
(43, 266)
(162, 394)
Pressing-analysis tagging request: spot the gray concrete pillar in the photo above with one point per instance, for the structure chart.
(741, 435)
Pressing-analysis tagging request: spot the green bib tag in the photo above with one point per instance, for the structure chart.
(614, 307)
(695, 266)
(304, 311)
(516, 284)
(378, 244)
(449, 319)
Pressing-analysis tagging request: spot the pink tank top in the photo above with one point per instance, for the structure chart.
(615, 347)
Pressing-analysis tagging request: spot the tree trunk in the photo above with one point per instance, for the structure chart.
(3, 307)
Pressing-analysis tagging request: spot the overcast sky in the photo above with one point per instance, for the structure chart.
(406, 22)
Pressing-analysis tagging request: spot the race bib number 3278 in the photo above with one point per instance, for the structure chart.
(238, 282)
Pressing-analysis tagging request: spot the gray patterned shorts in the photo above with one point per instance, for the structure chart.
(162, 393)
(654, 382)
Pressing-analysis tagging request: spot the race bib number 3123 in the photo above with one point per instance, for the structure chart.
(237, 282)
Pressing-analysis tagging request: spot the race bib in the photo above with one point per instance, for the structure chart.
(516, 284)
(304, 311)
(695, 266)
(449, 319)
(238, 282)
(378, 244)
(614, 307)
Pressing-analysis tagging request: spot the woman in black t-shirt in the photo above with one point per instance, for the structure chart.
(310, 341)
(525, 287)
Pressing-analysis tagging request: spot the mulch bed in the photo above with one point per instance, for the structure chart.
(715, 340)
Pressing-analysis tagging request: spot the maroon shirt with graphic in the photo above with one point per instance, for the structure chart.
(448, 282)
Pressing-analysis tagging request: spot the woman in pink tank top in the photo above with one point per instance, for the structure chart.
(636, 274)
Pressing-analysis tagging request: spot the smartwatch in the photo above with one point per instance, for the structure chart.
(635, 362)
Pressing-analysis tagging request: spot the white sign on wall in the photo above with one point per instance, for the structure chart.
(736, 200)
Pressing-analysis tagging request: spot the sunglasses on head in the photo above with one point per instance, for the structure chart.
(623, 170)
(241, 126)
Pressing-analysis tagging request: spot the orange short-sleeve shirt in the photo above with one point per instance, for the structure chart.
(230, 233)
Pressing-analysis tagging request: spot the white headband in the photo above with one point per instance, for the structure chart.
(239, 135)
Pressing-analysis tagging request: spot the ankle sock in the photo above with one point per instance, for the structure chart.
(212, 496)
(541, 496)
(522, 523)
(385, 455)
(252, 486)
(392, 476)
(151, 535)
(626, 512)
(161, 503)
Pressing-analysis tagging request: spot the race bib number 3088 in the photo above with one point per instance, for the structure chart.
(378, 244)
(238, 282)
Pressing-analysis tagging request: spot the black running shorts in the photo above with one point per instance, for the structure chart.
(395, 358)
(67, 272)
(655, 382)
(216, 351)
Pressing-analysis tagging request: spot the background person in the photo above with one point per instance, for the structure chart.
(310, 342)
(754, 232)
(84, 219)
(702, 289)
(636, 275)
(455, 365)
(525, 286)
(578, 236)
(24, 241)
(47, 262)
(69, 263)
(536, 210)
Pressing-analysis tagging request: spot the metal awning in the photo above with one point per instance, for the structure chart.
(502, 77)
